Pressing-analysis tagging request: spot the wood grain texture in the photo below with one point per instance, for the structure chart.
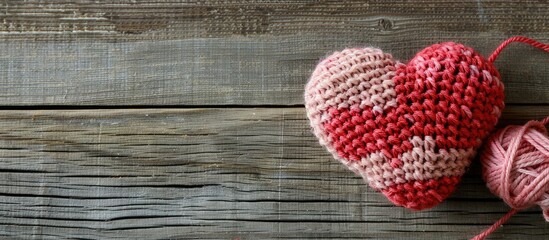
(157, 19)
(197, 53)
(181, 153)
(212, 174)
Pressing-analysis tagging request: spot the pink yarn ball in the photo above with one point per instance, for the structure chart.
(515, 164)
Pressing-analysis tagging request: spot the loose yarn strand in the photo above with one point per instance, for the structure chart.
(524, 133)
(496, 225)
(545, 121)
(529, 41)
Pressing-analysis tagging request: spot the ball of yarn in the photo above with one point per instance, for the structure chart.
(515, 164)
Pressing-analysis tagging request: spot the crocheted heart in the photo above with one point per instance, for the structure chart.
(410, 130)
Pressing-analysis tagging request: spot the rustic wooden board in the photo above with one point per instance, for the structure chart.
(212, 173)
(197, 53)
(157, 19)
(182, 165)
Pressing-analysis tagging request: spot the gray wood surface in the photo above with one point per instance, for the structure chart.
(184, 119)
(198, 53)
(211, 173)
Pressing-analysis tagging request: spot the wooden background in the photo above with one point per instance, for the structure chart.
(184, 119)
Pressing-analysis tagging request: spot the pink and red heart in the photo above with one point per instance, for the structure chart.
(411, 130)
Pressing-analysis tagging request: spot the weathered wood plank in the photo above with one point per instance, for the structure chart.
(211, 173)
(230, 71)
(239, 52)
(161, 20)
